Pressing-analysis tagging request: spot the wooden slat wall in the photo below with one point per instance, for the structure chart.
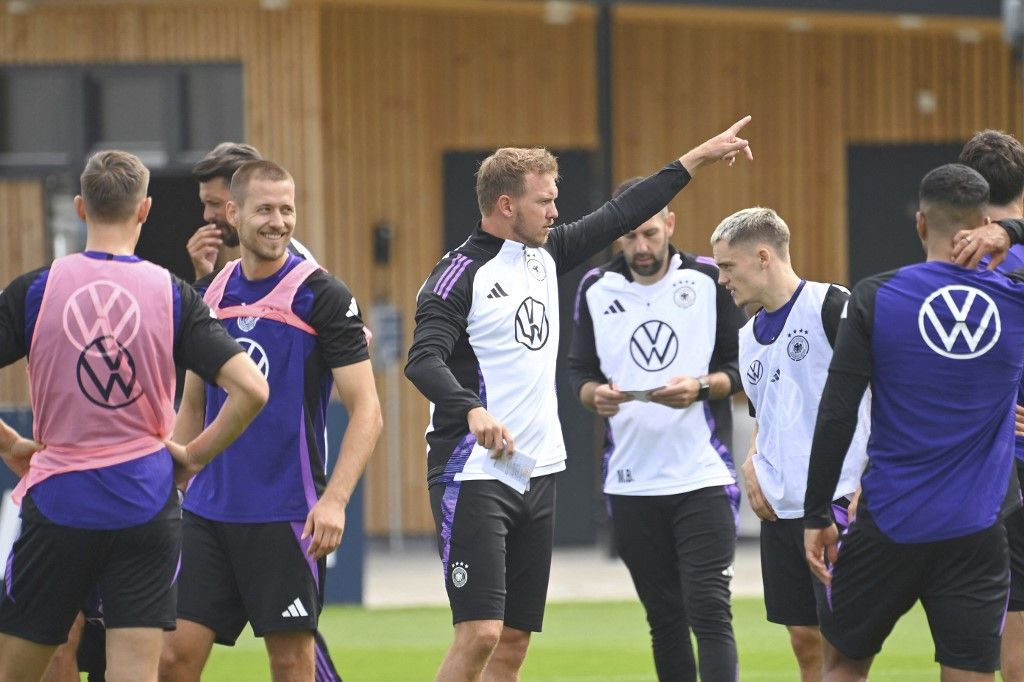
(24, 249)
(360, 99)
(400, 88)
(280, 52)
(682, 74)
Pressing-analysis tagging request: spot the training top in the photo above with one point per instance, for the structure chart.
(296, 325)
(118, 324)
(784, 359)
(941, 347)
(487, 327)
(1015, 261)
(640, 336)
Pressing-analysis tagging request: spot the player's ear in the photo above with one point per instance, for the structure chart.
(80, 207)
(670, 224)
(504, 205)
(922, 226)
(231, 211)
(144, 207)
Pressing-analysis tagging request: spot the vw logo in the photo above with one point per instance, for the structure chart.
(532, 324)
(101, 309)
(257, 354)
(654, 345)
(755, 372)
(959, 322)
(103, 365)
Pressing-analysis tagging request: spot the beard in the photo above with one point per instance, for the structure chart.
(228, 234)
(648, 268)
(524, 237)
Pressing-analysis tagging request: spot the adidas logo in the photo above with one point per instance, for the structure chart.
(615, 307)
(294, 610)
(497, 291)
(776, 375)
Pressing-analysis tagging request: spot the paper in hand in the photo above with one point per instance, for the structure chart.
(643, 396)
(513, 470)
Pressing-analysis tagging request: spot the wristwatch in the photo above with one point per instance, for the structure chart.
(705, 388)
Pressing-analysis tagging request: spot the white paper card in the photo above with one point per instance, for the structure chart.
(643, 396)
(513, 470)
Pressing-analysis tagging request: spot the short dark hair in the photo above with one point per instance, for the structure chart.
(223, 160)
(953, 196)
(1000, 160)
(954, 185)
(255, 170)
(113, 183)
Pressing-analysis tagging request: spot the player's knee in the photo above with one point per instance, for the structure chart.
(289, 664)
(806, 643)
(480, 637)
(513, 645)
(175, 662)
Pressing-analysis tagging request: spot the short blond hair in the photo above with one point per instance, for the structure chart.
(113, 184)
(505, 171)
(758, 224)
(258, 169)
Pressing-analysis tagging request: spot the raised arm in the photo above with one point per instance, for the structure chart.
(573, 243)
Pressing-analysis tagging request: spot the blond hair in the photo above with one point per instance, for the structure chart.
(758, 224)
(113, 184)
(505, 171)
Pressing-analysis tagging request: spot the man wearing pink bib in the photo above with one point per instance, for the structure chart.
(102, 331)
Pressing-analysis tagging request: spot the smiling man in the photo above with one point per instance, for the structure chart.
(214, 244)
(654, 318)
(484, 354)
(257, 526)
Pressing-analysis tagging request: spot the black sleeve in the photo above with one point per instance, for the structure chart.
(335, 317)
(573, 243)
(832, 311)
(725, 357)
(441, 320)
(203, 283)
(203, 345)
(584, 365)
(848, 378)
(13, 344)
(1014, 228)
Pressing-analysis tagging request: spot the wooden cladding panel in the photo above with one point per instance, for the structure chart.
(24, 249)
(401, 87)
(681, 75)
(280, 53)
(360, 100)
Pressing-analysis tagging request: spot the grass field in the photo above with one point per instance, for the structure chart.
(581, 642)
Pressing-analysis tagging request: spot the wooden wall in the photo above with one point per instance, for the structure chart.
(361, 99)
(22, 248)
(683, 73)
(426, 81)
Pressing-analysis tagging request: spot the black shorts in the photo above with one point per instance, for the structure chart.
(52, 569)
(1014, 521)
(792, 595)
(233, 573)
(963, 584)
(495, 548)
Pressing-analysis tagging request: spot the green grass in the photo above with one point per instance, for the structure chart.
(581, 642)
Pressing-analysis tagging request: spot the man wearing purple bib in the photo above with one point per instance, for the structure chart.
(102, 331)
(258, 524)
